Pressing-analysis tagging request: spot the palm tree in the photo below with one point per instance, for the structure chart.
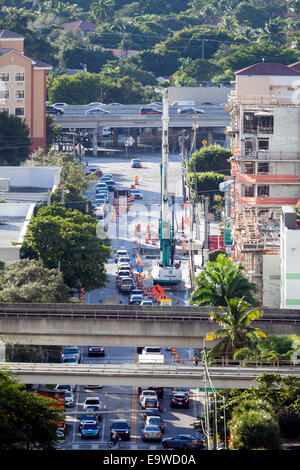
(236, 331)
(222, 279)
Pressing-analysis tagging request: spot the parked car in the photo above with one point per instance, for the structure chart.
(53, 110)
(135, 163)
(180, 400)
(151, 432)
(90, 429)
(150, 110)
(157, 421)
(137, 194)
(59, 105)
(190, 110)
(96, 351)
(135, 299)
(91, 401)
(183, 441)
(69, 398)
(96, 111)
(122, 428)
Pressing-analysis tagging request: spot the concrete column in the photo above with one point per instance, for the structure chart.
(209, 137)
(95, 144)
(115, 136)
(2, 351)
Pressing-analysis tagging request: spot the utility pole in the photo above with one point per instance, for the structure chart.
(182, 143)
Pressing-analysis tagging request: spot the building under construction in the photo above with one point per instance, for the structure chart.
(265, 168)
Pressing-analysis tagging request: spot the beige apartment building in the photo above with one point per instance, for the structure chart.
(265, 140)
(23, 86)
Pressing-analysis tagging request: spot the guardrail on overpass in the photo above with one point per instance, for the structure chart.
(212, 120)
(140, 375)
(123, 325)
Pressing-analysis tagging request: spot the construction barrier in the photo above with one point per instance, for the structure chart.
(136, 180)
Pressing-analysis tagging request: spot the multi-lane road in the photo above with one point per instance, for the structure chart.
(123, 403)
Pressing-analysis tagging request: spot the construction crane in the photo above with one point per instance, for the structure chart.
(163, 271)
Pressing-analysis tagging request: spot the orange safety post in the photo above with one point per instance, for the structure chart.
(136, 180)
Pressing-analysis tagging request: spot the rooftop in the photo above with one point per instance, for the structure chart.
(7, 34)
(85, 26)
(269, 68)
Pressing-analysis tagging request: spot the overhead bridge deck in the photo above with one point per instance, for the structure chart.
(123, 325)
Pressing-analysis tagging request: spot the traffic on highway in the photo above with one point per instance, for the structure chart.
(122, 416)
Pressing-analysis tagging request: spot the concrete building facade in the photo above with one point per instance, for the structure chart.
(23, 86)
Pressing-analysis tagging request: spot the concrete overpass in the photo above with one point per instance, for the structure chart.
(123, 325)
(141, 375)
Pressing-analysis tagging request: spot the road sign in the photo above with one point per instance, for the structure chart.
(129, 142)
(139, 269)
(204, 142)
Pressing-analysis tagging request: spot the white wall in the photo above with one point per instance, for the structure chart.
(271, 281)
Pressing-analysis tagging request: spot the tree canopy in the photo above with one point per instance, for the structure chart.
(14, 139)
(68, 239)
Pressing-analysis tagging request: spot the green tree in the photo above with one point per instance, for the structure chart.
(212, 158)
(14, 139)
(222, 279)
(102, 10)
(25, 417)
(236, 330)
(253, 430)
(28, 281)
(69, 239)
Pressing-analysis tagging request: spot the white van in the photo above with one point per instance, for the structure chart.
(183, 103)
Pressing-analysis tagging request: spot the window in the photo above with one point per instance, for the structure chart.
(249, 191)
(263, 144)
(263, 167)
(19, 111)
(4, 77)
(20, 94)
(249, 168)
(19, 77)
(262, 191)
(4, 94)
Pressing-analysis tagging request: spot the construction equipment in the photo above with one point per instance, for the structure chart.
(163, 271)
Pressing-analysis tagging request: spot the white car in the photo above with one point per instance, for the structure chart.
(92, 401)
(69, 398)
(120, 253)
(147, 393)
(151, 350)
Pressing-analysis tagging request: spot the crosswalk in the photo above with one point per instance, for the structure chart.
(103, 446)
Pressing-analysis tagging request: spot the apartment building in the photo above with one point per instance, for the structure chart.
(23, 86)
(265, 140)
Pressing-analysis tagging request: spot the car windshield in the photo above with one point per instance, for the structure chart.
(92, 401)
(71, 351)
(89, 426)
(151, 428)
(120, 426)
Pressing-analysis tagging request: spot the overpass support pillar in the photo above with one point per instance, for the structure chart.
(209, 137)
(2, 351)
(115, 137)
(95, 143)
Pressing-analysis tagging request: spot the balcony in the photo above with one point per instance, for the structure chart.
(267, 178)
(266, 201)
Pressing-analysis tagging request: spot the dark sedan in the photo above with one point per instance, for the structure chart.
(150, 111)
(183, 441)
(180, 400)
(96, 351)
